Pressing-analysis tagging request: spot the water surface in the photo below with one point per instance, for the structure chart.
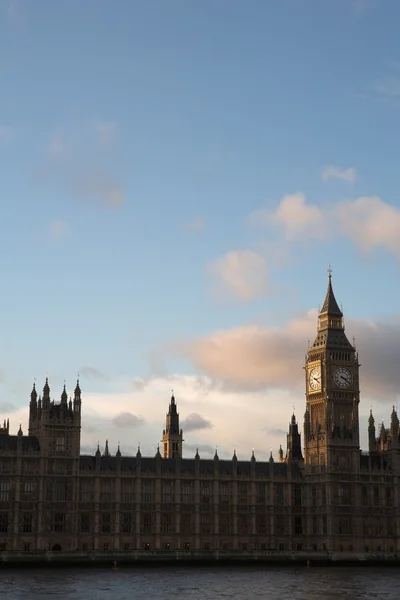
(201, 583)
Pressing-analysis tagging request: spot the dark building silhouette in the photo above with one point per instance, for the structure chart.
(333, 499)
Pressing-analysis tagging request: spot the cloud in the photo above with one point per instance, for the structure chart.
(276, 431)
(195, 422)
(6, 134)
(75, 166)
(59, 229)
(92, 373)
(127, 420)
(297, 219)
(367, 221)
(7, 407)
(331, 172)
(203, 449)
(97, 185)
(370, 223)
(241, 273)
(197, 224)
(256, 358)
(253, 357)
(106, 132)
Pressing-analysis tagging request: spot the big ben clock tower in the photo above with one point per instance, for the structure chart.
(331, 428)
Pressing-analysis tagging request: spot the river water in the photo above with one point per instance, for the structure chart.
(201, 583)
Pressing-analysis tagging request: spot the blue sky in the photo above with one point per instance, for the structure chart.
(170, 170)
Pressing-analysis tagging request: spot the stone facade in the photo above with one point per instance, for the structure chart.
(336, 499)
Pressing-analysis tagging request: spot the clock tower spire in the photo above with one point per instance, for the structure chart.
(331, 434)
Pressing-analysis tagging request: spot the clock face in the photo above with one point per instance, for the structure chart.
(342, 377)
(314, 379)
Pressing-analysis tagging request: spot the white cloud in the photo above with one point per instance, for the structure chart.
(242, 273)
(331, 172)
(59, 229)
(196, 225)
(298, 220)
(370, 223)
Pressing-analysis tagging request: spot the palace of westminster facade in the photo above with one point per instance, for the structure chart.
(328, 497)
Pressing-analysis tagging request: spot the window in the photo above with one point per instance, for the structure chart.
(29, 491)
(126, 546)
(175, 450)
(186, 523)
(106, 491)
(58, 522)
(243, 524)
(126, 523)
(323, 496)
(27, 522)
(376, 496)
(279, 494)
(85, 523)
(3, 547)
(297, 495)
(365, 499)
(146, 492)
(186, 493)
(60, 443)
(314, 495)
(225, 524)
(261, 524)
(85, 491)
(127, 492)
(167, 493)
(242, 493)
(167, 546)
(324, 525)
(106, 522)
(165, 450)
(298, 526)
(59, 491)
(389, 497)
(187, 546)
(205, 526)
(146, 523)
(26, 547)
(260, 491)
(224, 493)
(3, 522)
(205, 493)
(166, 523)
(5, 487)
(280, 525)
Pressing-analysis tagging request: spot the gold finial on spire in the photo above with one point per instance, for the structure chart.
(329, 271)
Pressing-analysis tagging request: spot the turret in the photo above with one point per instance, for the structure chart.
(293, 452)
(172, 435)
(371, 433)
(46, 395)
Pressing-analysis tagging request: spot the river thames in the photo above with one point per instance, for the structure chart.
(201, 583)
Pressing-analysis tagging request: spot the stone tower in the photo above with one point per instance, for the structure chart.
(172, 435)
(57, 425)
(331, 426)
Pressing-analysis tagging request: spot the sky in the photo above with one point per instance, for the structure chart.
(175, 179)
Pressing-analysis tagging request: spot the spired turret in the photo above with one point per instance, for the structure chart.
(172, 436)
(57, 425)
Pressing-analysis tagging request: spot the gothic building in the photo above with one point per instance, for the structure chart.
(328, 497)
